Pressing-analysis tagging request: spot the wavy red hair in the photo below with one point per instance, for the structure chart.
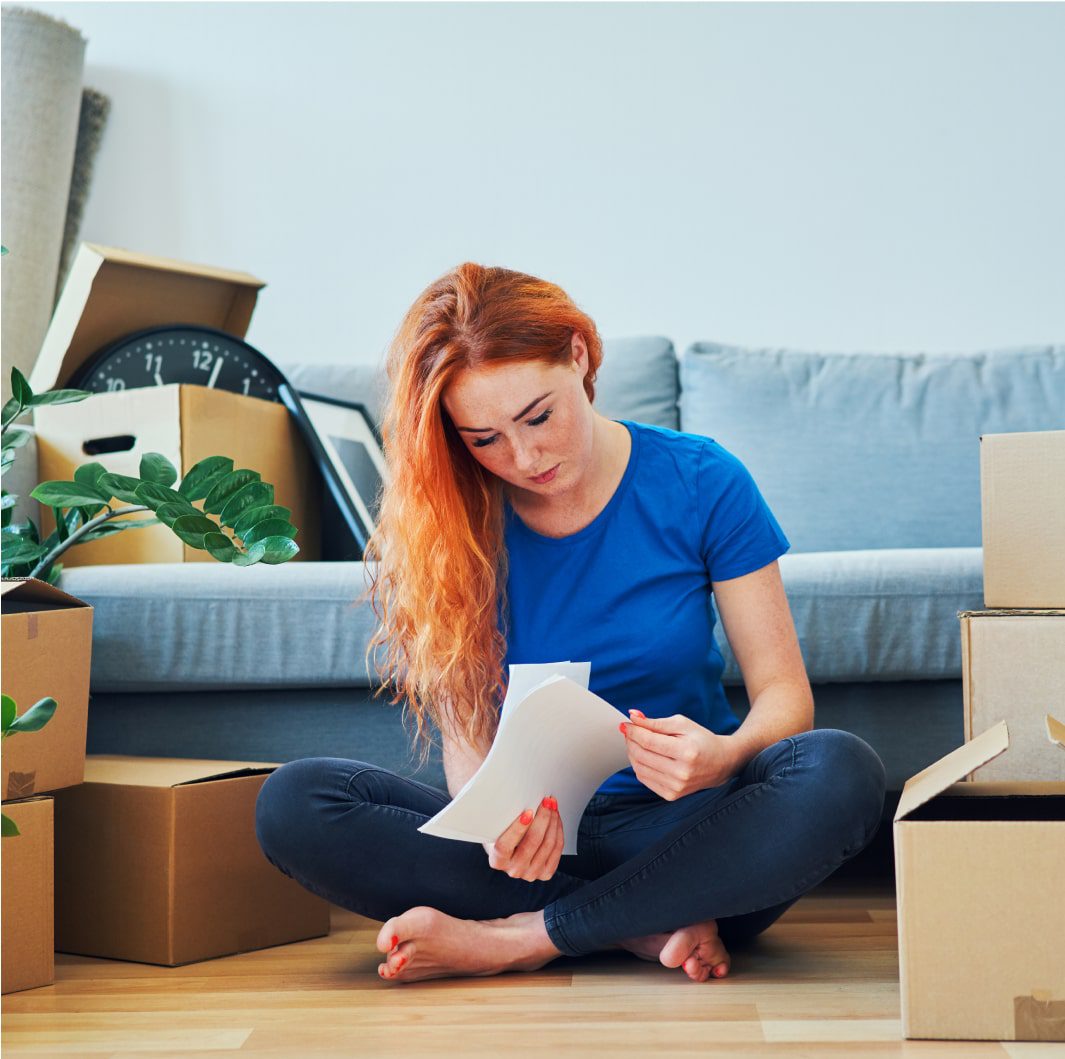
(437, 561)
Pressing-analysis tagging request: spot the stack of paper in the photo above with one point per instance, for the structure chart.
(555, 737)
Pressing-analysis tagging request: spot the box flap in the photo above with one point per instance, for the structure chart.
(960, 762)
(34, 590)
(951, 768)
(110, 293)
(134, 771)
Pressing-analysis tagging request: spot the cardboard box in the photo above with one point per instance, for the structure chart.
(1022, 492)
(111, 293)
(981, 920)
(28, 905)
(156, 861)
(1013, 670)
(47, 649)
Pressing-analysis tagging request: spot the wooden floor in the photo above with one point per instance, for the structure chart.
(823, 980)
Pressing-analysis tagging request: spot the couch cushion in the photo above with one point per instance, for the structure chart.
(888, 615)
(862, 451)
(637, 380)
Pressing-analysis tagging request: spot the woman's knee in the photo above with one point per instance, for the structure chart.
(286, 804)
(853, 773)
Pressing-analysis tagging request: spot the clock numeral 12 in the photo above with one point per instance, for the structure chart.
(205, 364)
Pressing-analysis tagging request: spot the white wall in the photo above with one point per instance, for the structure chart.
(821, 176)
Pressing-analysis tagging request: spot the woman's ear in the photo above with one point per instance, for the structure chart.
(580, 354)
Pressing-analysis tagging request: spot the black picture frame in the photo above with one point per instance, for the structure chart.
(345, 444)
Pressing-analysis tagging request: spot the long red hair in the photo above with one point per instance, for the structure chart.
(437, 561)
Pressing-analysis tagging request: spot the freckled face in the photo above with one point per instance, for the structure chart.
(551, 439)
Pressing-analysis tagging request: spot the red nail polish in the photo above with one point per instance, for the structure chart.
(395, 940)
(526, 817)
(400, 962)
(639, 713)
(621, 727)
(550, 803)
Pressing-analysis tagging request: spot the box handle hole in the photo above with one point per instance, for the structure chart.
(118, 443)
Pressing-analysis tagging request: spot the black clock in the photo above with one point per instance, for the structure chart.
(188, 353)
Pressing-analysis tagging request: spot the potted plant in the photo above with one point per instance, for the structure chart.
(249, 529)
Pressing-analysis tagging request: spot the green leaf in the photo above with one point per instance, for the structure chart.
(22, 552)
(271, 527)
(232, 483)
(220, 546)
(16, 437)
(12, 410)
(278, 549)
(67, 494)
(153, 495)
(62, 527)
(254, 515)
(120, 486)
(251, 557)
(9, 711)
(192, 529)
(35, 718)
(168, 514)
(6, 459)
(254, 494)
(204, 476)
(90, 474)
(8, 827)
(59, 397)
(20, 388)
(155, 467)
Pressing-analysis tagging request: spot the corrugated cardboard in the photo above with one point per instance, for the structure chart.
(156, 861)
(28, 904)
(1022, 490)
(186, 424)
(47, 650)
(110, 293)
(981, 920)
(1013, 670)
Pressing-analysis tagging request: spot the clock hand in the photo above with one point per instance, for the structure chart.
(214, 374)
(159, 379)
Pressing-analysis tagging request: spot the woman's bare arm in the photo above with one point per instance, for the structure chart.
(461, 760)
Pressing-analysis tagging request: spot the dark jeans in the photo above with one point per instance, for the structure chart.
(741, 853)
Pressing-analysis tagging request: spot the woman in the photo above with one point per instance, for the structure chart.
(520, 525)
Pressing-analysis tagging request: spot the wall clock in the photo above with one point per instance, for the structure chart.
(188, 353)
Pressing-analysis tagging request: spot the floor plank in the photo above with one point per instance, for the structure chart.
(822, 981)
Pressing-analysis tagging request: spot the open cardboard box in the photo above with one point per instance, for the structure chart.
(1023, 518)
(27, 952)
(47, 649)
(1013, 669)
(110, 293)
(157, 861)
(981, 920)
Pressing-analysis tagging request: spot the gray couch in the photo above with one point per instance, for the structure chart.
(869, 462)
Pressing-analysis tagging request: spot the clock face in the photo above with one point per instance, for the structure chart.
(157, 356)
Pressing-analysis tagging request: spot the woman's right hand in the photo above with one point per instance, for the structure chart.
(531, 847)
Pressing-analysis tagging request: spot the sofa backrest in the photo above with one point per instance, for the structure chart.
(855, 451)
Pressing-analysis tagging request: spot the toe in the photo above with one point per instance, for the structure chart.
(678, 949)
(388, 936)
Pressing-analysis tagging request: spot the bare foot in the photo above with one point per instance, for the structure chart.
(697, 949)
(424, 942)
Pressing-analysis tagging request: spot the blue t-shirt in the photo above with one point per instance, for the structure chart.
(631, 592)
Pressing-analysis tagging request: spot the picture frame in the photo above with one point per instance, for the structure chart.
(345, 443)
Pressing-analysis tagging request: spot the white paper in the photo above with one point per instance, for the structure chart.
(556, 738)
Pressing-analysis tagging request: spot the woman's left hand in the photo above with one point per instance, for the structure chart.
(674, 756)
